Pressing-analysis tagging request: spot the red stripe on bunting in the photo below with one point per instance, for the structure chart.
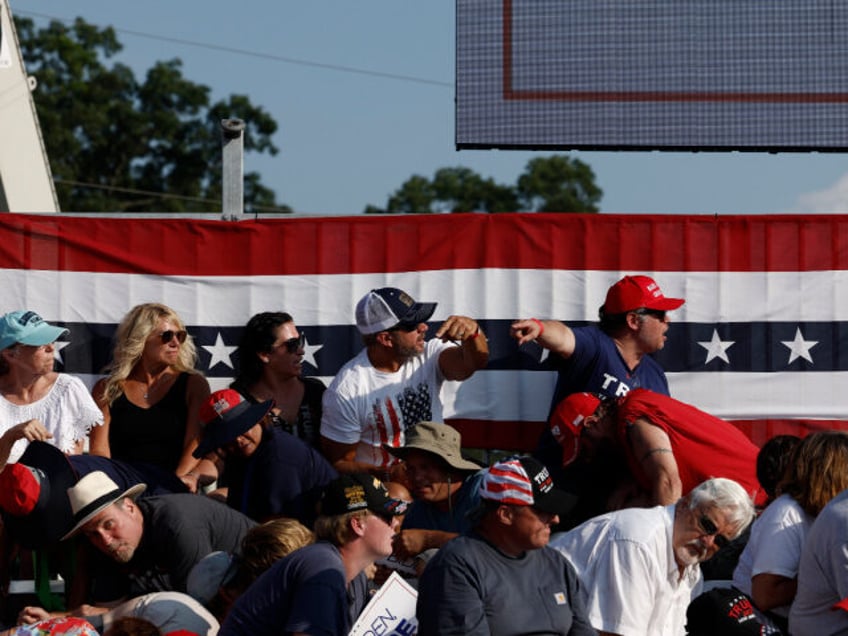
(370, 244)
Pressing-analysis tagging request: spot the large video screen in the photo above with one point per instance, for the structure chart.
(663, 74)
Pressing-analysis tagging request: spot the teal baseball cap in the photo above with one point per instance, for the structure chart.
(27, 327)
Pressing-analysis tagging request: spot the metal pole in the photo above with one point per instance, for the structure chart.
(232, 180)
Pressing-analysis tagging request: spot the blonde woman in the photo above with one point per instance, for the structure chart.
(152, 395)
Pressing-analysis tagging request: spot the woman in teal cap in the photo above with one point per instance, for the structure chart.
(36, 402)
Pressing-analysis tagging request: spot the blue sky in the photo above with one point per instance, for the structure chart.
(351, 137)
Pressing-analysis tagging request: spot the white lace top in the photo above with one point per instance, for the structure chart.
(68, 411)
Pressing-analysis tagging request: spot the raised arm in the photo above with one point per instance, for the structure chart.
(550, 334)
(459, 363)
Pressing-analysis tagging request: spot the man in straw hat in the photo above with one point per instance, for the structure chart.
(444, 487)
(321, 588)
(500, 579)
(155, 540)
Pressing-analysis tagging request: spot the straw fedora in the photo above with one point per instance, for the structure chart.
(94, 493)
(437, 438)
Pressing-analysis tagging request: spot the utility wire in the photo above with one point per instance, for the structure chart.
(161, 195)
(256, 54)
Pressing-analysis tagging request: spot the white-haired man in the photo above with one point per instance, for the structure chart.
(639, 567)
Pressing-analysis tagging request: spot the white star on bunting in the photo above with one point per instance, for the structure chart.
(57, 350)
(309, 352)
(717, 348)
(220, 352)
(799, 348)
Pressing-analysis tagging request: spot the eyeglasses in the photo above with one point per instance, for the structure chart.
(292, 345)
(709, 529)
(170, 334)
(659, 314)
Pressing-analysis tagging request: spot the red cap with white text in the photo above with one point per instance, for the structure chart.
(636, 292)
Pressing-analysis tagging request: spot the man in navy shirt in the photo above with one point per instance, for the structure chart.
(609, 358)
(267, 471)
(321, 588)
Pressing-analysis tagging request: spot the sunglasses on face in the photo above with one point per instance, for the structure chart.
(656, 313)
(709, 529)
(385, 517)
(292, 345)
(406, 327)
(170, 334)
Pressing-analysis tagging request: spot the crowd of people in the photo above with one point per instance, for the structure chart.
(279, 505)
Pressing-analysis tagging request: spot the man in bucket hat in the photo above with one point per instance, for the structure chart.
(321, 588)
(500, 579)
(268, 472)
(155, 541)
(444, 486)
(394, 382)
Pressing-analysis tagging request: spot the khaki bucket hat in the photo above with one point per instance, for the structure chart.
(437, 438)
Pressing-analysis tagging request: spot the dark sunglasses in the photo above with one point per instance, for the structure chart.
(709, 528)
(406, 327)
(169, 335)
(659, 314)
(293, 345)
(386, 517)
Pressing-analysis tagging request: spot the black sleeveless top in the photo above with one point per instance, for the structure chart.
(308, 424)
(154, 435)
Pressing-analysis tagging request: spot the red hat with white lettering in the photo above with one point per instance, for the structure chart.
(636, 292)
(567, 422)
(225, 415)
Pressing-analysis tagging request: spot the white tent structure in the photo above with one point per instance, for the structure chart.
(26, 184)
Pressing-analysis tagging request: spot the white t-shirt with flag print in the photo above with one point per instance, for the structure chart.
(372, 407)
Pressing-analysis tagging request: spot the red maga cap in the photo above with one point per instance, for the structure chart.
(567, 422)
(20, 489)
(635, 292)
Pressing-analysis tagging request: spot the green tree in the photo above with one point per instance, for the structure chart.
(548, 184)
(117, 144)
(558, 184)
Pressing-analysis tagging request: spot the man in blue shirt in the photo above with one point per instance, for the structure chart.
(321, 588)
(267, 471)
(609, 358)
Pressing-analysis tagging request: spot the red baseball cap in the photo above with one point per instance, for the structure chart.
(635, 292)
(567, 422)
